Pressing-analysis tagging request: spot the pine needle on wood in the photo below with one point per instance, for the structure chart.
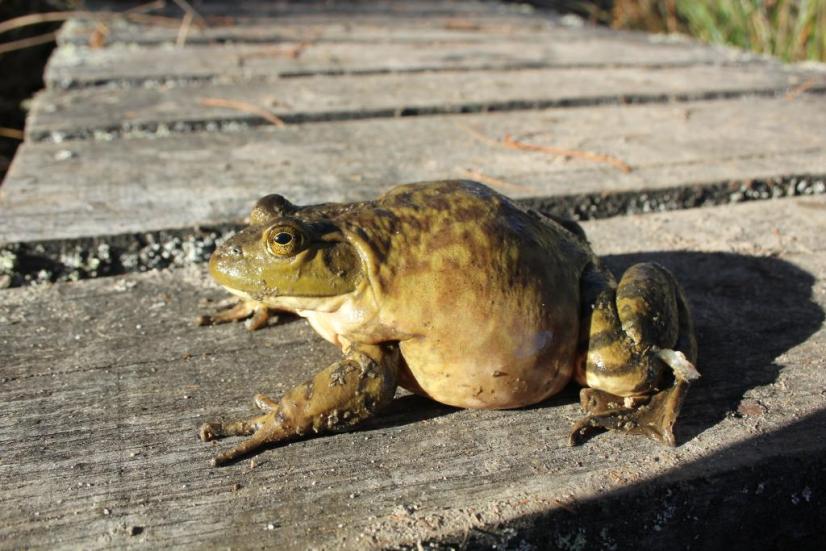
(14, 45)
(244, 107)
(509, 141)
(11, 133)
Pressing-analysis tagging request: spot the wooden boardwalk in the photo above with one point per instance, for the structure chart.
(136, 146)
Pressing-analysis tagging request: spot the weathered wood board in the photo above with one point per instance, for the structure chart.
(362, 28)
(105, 381)
(59, 115)
(88, 188)
(324, 8)
(73, 66)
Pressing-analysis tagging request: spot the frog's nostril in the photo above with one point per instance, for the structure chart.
(235, 250)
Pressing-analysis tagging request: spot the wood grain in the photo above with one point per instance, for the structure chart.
(328, 8)
(373, 28)
(104, 113)
(75, 66)
(86, 188)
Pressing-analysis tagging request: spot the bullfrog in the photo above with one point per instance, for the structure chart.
(454, 292)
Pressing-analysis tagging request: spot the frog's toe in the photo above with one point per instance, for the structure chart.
(269, 432)
(260, 318)
(240, 450)
(656, 418)
(630, 420)
(265, 403)
(652, 416)
(243, 427)
(227, 310)
(601, 408)
(257, 315)
(209, 431)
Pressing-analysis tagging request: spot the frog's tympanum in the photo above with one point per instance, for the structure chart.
(454, 292)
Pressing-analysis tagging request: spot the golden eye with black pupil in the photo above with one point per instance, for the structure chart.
(283, 240)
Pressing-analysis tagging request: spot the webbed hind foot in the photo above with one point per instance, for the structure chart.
(652, 416)
(640, 353)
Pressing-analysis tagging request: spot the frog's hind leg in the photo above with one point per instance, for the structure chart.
(640, 358)
(337, 398)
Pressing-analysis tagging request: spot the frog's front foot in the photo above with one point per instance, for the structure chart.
(267, 428)
(215, 430)
(256, 314)
(219, 429)
(264, 428)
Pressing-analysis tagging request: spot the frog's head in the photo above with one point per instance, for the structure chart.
(285, 252)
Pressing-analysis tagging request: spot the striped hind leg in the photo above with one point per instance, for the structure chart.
(640, 354)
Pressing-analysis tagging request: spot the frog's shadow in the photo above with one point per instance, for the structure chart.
(747, 310)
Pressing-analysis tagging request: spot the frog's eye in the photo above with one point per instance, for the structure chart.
(283, 240)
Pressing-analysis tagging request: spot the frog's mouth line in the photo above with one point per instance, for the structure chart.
(295, 304)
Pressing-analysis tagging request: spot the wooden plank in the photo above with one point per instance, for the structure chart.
(367, 28)
(105, 381)
(73, 66)
(371, 28)
(324, 8)
(56, 191)
(60, 115)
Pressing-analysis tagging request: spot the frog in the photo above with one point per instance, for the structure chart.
(455, 292)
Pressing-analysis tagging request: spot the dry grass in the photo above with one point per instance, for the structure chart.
(793, 30)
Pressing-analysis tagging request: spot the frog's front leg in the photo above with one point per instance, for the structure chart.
(339, 397)
(255, 313)
(640, 356)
